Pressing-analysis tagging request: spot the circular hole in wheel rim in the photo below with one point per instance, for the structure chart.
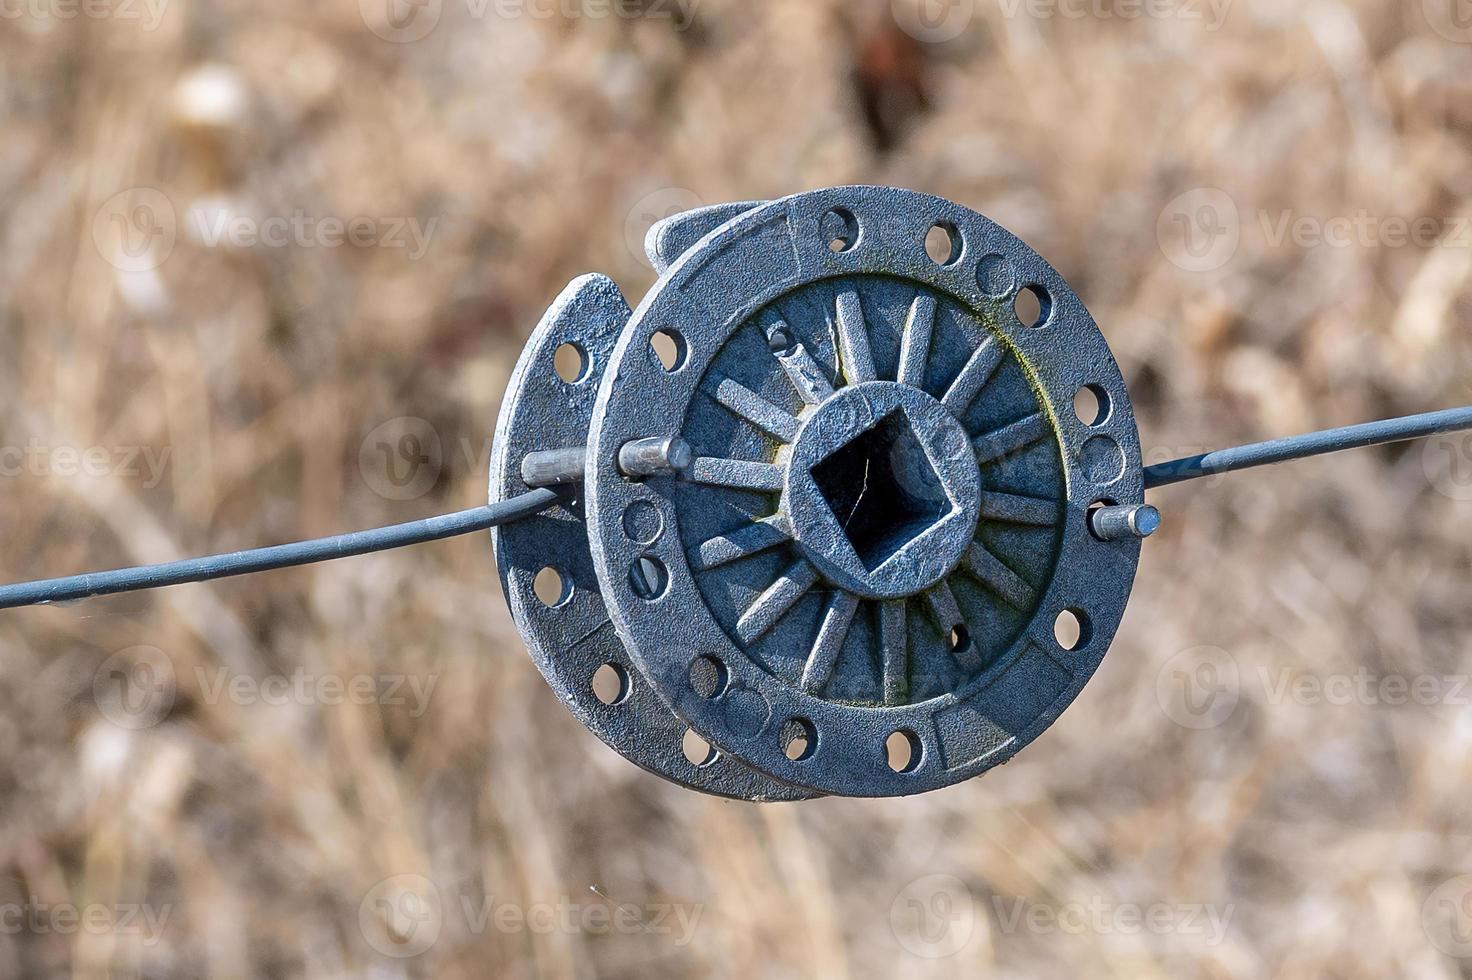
(943, 243)
(798, 739)
(840, 230)
(552, 588)
(708, 677)
(648, 577)
(1033, 306)
(1072, 629)
(611, 684)
(902, 751)
(1091, 405)
(669, 349)
(697, 750)
(572, 363)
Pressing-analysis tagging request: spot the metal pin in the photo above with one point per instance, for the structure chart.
(654, 457)
(553, 467)
(1127, 521)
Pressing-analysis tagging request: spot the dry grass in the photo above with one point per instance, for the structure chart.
(260, 832)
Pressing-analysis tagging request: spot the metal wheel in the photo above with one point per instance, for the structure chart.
(854, 585)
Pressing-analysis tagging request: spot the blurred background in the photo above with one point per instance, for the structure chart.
(264, 270)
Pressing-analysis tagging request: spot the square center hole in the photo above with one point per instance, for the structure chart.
(882, 489)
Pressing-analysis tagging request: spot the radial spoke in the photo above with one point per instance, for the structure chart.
(1011, 508)
(752, 407)
(824, 655)
(738, 474)
(772, 604)
(1010, 438)
(806, 376)
(915, 348)
(952, 625)
(749, 540)
(990, 572)
(853, 339)
(894, 644)
(973, 377)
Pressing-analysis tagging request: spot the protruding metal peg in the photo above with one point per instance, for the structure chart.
(654, 457)
(1125, 521)
(553, 467)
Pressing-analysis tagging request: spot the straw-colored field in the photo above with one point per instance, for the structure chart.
(245, 245)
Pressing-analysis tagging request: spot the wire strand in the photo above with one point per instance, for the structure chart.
(1309, 444)
(85, 586)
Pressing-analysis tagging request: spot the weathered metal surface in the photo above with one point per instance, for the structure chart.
(887, 505)
(571, 638)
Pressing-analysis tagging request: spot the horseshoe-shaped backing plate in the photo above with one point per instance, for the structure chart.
(570, 640)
